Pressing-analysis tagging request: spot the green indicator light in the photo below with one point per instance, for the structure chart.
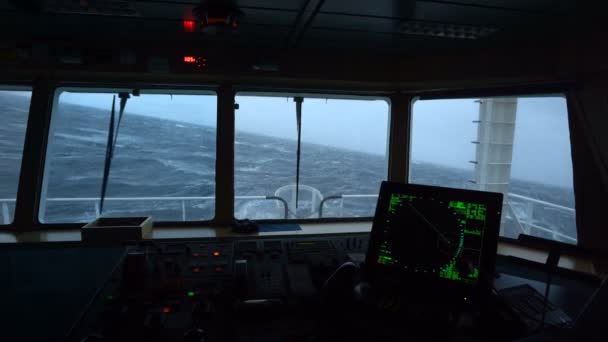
(191, 293)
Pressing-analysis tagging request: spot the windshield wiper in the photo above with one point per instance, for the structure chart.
(112, 138)
(298, 100)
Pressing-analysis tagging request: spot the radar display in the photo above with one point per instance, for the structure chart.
(433, 237)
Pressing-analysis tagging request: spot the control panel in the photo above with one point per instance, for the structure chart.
(216, 290)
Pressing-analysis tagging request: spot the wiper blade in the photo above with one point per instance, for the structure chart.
(112, 138)
(298, 101)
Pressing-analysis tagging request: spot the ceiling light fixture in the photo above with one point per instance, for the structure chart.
(217, 16)
(454, 31)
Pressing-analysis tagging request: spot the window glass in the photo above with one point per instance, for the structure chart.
(163, 161)
(14, 110)
(343, 156)
(519, 146)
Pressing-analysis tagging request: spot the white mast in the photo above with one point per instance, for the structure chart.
(494, 152)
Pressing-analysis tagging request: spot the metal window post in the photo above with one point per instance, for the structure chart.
(224, 167)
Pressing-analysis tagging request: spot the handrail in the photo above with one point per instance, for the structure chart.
(527, 224)
(322, 204)
(130, 199)
(328, 198)
(285, 205)
(534, 200)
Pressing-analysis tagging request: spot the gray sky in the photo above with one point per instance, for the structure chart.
(442, 129)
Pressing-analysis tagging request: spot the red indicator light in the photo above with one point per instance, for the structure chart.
(196, 270)
(189, 59)
(216, 253)
(189, 26)
(219, 269)
(166, 310)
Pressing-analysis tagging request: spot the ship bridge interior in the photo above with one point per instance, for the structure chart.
(218, 125)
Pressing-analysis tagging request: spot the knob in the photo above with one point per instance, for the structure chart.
(194, 335)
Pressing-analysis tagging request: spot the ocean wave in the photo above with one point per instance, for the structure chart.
(185, 167)
(82, 138)
(248, 169)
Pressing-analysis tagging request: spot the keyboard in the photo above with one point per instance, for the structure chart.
(529, 304)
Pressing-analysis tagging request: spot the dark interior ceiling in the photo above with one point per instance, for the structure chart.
(374, 25)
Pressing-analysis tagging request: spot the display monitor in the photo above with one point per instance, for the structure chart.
(435, 234)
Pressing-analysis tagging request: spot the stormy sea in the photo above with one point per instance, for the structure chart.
(166, 169)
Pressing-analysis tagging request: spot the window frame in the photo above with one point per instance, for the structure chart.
(10, 86)
(536, 91)
(400, 95)
(320, 94)
(56, 91)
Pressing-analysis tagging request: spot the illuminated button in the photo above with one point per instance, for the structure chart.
(188, 26)
(215, 254)
(166, 310)
(191, 293)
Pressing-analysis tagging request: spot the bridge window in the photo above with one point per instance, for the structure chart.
(519, 146)
(14, 110)
(158, 159)
(343, 156)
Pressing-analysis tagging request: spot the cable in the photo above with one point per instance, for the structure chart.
(551, 264)
(545, 300)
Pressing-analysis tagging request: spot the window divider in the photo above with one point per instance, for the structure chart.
(32, 165)
(399, 137)
(224, 168)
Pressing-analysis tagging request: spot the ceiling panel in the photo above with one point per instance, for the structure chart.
(548, 6)
(103, 28)
(181, 12)
(404, 8)
(280, 4)
(347, 22)
(383, 8)
(471, 15)
(328, 38)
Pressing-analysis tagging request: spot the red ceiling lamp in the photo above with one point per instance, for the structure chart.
(217, 17)
(189, 26)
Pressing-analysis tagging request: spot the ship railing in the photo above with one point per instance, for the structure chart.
(524, 223)
(5, 203)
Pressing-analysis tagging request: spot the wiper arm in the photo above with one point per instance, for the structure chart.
(112, 138)
(298, 100)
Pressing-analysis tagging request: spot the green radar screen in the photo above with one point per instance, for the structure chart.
(434, 237)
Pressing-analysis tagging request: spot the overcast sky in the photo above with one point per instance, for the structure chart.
(442, 129)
